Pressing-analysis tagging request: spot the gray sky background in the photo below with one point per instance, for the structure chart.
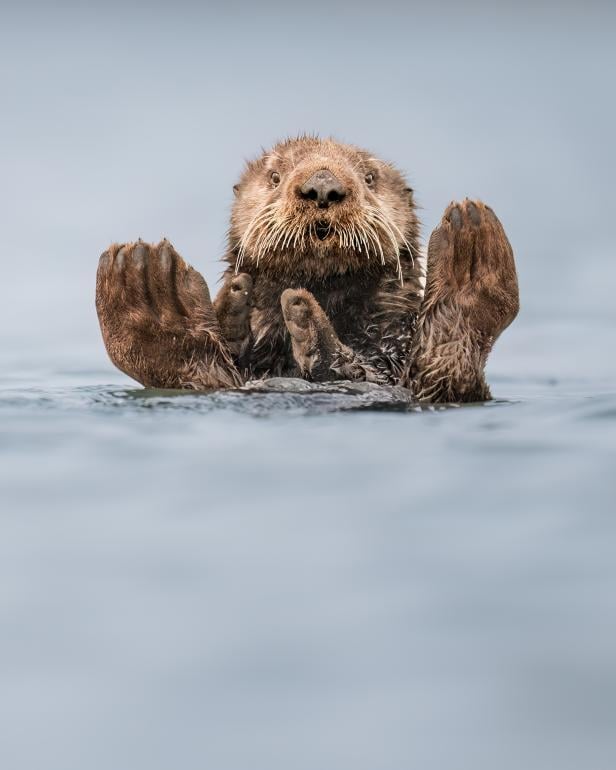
(123, 121)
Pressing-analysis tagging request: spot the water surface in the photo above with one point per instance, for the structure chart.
(269, 580)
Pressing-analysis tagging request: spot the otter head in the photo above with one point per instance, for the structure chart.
(317, 207)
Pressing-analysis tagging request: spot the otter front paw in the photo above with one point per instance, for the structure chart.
(471, 296)
(318, 352)
(313, 338)
(157, 320)
(471, 265)
(233, 305)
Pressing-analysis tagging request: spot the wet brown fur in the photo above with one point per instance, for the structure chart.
(471, 297)
(319, 293)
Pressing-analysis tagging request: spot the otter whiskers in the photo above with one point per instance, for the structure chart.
(261, 216)
(273, 229)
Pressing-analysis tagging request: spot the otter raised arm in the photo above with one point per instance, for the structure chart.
(158, 323)
(471, 297)
(324, 281)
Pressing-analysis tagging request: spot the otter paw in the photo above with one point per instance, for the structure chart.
(318, 352)
(241, 290)
(233, 306)
(146, 286)
(470, 262)
(157, 320)
(313, 338)
(471, 295)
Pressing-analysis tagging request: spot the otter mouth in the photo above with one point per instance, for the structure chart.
(323, 230)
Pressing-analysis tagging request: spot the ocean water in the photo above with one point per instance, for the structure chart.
(275, 580)
(305, 580)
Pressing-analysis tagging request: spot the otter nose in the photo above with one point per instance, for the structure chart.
(324, 188)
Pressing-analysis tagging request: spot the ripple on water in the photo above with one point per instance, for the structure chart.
(600, 408)
(291, 396)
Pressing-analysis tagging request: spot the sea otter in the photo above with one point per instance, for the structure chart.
(325, 280)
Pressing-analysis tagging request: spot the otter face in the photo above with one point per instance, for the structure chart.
(320, 207)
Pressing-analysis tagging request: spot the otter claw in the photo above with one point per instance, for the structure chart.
(455, 217)
(140, 253)
(473, 212)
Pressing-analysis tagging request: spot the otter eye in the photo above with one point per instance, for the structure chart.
(275, 177)
(369, 179)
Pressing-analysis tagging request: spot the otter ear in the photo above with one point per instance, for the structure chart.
(409, 191)
(236, 189)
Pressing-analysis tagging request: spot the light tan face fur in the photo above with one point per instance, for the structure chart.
(276, 227)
